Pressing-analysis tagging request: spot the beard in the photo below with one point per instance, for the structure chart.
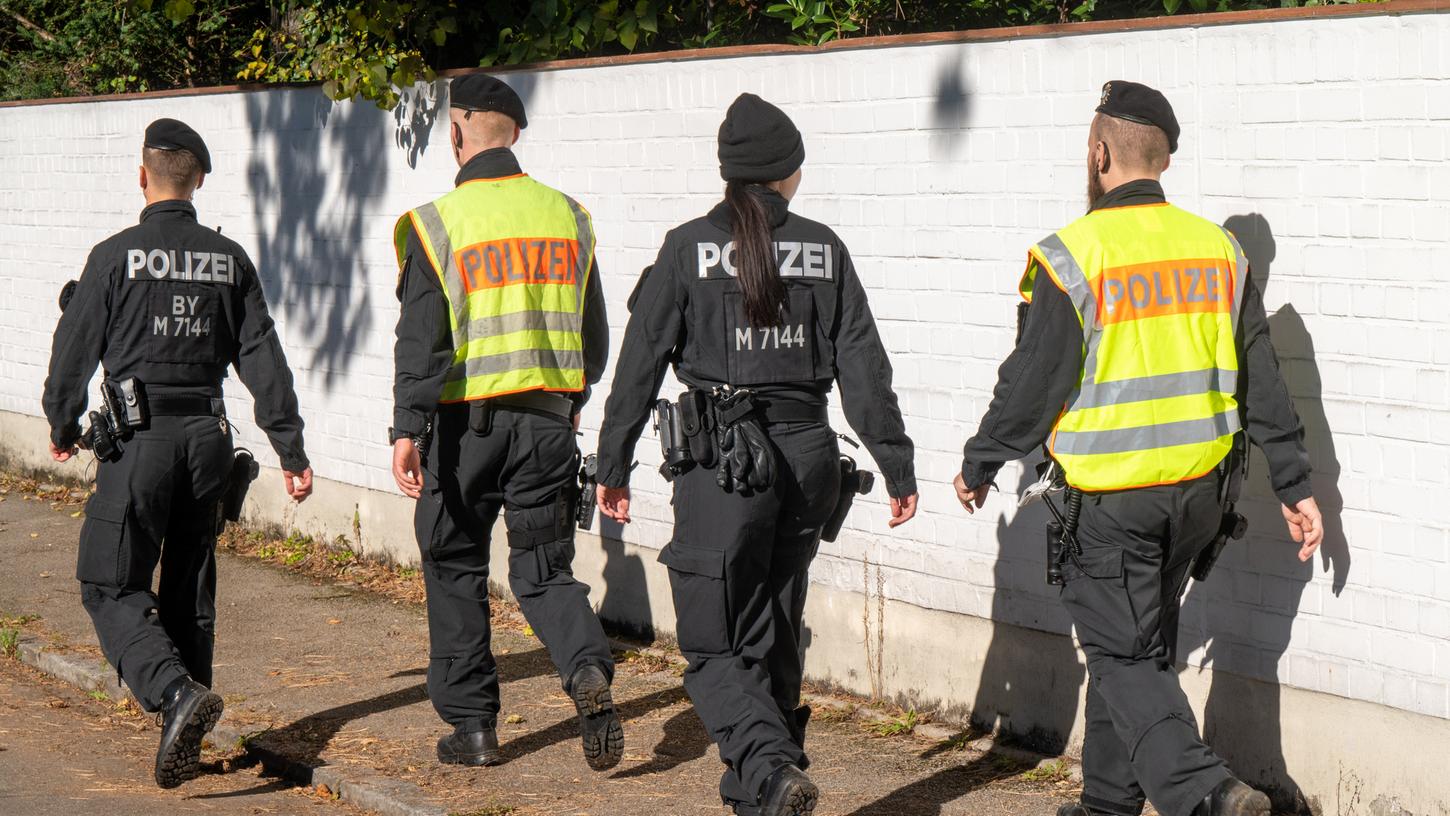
(1095, 189)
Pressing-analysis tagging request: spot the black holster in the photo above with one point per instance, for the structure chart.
(854, 483)
(1232, 526)
(588, 493)
(674, 447)
(244, 471)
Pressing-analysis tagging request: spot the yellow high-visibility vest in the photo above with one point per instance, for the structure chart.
(514, 257)
(1157, 291)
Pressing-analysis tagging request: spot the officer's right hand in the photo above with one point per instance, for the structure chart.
(614, 502)
(60, 455)
(971, 499)
(407, 469)
(1306, 526)
(299, 485)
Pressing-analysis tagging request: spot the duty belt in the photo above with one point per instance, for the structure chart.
(185, 405)
(547, 402)
(793, 411)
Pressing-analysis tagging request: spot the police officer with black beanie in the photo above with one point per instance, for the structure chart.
(759, 311)
(1143, 363)
(166, 307)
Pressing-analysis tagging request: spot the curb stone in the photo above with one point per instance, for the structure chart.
(379, 794)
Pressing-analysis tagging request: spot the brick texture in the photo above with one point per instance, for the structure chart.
(1321, 142)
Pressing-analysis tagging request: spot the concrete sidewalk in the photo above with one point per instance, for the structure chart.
(329, 673)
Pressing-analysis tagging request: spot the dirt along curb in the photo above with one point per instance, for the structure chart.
(384, 796)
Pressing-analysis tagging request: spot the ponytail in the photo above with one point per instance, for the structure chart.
(755, 267)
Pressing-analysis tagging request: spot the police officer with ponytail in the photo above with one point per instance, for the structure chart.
(759, 311)
(1143, 361)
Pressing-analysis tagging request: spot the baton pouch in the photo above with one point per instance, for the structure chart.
(1055, 552)
(697, 421)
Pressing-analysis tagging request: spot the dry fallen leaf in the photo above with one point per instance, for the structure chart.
(334, 621)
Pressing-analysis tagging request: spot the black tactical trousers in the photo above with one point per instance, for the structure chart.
(524, 465)
(738, 572)
(157, 504)
(1141, 739)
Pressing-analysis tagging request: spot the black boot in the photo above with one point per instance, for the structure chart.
(1079, 809)
(1233, 798)
(189, 710)
(474, 748)
(599, 725)
(788, 792)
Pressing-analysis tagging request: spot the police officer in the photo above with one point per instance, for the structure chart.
(165, 307)
(502, 332)
(759, 310)
(1145, 356)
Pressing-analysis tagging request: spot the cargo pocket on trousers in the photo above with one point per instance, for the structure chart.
(426, 514)
(104, 553)
(1103, 564)
(438, 670)
(697, 582)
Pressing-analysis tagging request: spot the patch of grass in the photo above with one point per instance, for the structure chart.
(829, 714)
(646, 662)
(408, 573)
(99, 696)
(899, 725)
(10, 642)
(1054, 771)
(245, 740)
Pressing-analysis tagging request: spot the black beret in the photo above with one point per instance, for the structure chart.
(758, 142)
(1141, 104)
(170, 134)
(481, 92)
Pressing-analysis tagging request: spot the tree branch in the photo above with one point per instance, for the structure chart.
(44, 35)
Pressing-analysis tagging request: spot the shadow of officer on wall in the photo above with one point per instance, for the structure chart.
(1035, 704)
(1245, 612)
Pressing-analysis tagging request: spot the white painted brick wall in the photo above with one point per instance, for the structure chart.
(1334, 132)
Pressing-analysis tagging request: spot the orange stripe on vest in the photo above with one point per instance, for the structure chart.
(1140, 291)
(510, 261)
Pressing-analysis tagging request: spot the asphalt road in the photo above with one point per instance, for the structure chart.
(64, 754)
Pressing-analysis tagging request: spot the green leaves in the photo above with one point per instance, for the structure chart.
(178, 10)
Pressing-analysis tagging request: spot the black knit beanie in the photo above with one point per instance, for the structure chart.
(758, 142)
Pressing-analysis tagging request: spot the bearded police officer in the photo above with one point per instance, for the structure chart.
(1145, 355)
(760, 311)
(165, 307)
(502, 332)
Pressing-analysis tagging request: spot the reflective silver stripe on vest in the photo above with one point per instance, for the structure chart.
(1081, 293)
(531, 320)
(442, 248)
(1241, 274)
(1158, 386)
(515, 361)
(582, 229)
(1148, 437)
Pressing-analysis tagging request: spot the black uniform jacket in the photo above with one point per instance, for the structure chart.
(1037, 378)
(172, 303)
(424, 351)
(688, 310)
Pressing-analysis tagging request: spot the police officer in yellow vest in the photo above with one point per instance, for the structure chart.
(1144, 356)
(502, 332)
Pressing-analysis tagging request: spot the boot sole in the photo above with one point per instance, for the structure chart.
(1248, 802)
(182, 762)
(599, 728)
(802, 800)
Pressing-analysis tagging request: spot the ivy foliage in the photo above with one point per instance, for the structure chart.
(371, 49)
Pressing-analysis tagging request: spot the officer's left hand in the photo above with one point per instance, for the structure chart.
(299, 485)
(60, 455)
(971, 499)
(902, 510)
